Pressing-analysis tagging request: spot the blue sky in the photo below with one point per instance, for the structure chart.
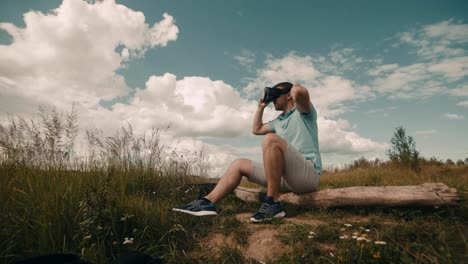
(370, 67)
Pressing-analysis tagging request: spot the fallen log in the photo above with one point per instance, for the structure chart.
(427, 194)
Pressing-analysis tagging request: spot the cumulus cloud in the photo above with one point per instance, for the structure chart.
(72, 53)
(194, 106)
(452, 116)
(335, 139)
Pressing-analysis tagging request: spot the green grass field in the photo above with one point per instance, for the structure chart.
(120, 199)
(93, 213)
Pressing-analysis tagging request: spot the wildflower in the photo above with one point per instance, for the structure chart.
(126, 216)
(355, 233)
(348, 225)
(128, 241)
(87, 237)
(354, 237)
(344, 237)
(331, 254)
(376, 255)
(361, 228)
(312, 233)
(367, 230)
(380, 242)
(310, 237)
(343, 229)
(360, 238)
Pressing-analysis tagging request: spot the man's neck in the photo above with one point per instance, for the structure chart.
(288, 108)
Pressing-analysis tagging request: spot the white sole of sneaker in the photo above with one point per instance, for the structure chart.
(279, 215)
(199, 213)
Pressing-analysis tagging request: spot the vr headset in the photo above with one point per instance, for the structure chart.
(270, 94)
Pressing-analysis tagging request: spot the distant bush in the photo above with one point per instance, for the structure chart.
(403, 151)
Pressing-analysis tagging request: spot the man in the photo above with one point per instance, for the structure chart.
(291, 157)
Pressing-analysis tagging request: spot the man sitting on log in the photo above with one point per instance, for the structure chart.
(291, 157)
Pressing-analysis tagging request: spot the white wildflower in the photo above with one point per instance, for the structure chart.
(344, 237)
(128, 241)
(354, 237)
(310, 237)
(380, 242)
(343, 229)
(348, 225)
(331, 254)
(312, 233)
(360, 238)
(367, 230)
(355, 233)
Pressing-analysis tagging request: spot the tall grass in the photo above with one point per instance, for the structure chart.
(115, 197)
(118, 195)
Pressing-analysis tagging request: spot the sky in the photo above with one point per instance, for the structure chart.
(200, 66)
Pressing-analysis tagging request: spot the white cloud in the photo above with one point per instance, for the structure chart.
(443, 39)
(464, 104)
(70, 54)
(452, 116)
(291, 67)
(194, 106)
(335, 139)
(460, 91)
(425, 132)
(442, 62)
(328, 92)
(246, 59)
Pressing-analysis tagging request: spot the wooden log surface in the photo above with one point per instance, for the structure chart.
(427, 194)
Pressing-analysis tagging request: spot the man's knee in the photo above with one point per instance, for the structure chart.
(272, 140)
(244, 166)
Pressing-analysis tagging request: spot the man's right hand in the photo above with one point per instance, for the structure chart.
(261, 103)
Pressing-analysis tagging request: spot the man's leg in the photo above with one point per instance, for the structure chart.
(273, 148)
(231, 179)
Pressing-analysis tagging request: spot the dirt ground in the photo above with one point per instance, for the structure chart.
(263, 243)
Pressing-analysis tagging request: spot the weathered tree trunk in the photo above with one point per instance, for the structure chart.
(427, 194)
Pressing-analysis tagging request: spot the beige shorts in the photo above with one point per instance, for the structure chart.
(299, 174)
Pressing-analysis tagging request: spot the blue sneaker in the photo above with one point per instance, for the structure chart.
(200, 207)
(267, 212)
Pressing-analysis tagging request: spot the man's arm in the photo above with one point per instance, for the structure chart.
(301, 98)
(258, 127)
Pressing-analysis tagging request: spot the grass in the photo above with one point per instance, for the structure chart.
(120, 200)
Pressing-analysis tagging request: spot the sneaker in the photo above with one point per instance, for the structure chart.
(200, 207)
(267, 212)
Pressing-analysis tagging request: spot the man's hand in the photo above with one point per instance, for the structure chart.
(258, 128)
(261, 103)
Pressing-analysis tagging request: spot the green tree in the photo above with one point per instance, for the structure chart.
(403, 151)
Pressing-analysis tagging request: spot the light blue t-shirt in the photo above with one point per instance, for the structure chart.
(300, 131)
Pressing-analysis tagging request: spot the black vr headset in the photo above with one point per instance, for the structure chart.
(270, 94)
